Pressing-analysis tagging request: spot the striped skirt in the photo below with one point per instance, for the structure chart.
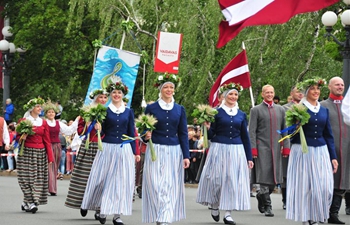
(310, 184)
(33, 176)
(111, 183)
(80, 175)
(53, 167)
(163, 194)
(225, 178)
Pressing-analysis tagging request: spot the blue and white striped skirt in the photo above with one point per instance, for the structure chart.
(225, 178)
(310, 184)
(111, 182)
(163, 194)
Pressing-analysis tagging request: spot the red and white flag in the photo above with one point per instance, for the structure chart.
(243, 13)
(236, 71)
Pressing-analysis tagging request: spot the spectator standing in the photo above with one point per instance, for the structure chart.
(10, 157)
(342, 146)
(4, 140)
(310, 178)
(9, 111)
(265, 119)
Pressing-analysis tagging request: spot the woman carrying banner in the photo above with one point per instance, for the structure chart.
(310, 178)
(84, 159)
(55, 128)
(32, 163)
(224, 183)
(111, 183)
(163, 194)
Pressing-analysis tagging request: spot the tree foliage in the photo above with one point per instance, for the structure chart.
(59, 33)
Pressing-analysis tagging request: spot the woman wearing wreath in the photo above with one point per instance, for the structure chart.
(224, 183)
(85, 158)
(312, 156)
(32, 161)
(55, 128)
(163, 194)
(111, 183)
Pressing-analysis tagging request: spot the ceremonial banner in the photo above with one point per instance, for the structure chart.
(113, 65)
(236, 71)
(168, 52)
(243, 13)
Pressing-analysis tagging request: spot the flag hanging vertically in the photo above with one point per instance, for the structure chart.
(236, 71)
(243, 13)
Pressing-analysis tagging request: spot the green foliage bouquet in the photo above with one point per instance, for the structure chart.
(144, 123)
(204, 113)
(296, 117)
(25, 127)
(93, 114)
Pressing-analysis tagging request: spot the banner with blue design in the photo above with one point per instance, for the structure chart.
(114, 65)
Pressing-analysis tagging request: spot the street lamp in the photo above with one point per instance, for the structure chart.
(8, 51)
(329, 19)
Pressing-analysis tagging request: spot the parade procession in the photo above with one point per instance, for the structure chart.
(175, 112)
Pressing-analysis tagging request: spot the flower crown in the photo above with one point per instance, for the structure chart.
(94, 93)
(126, 100)
(49, 105)
(230, 86)
(117, 86)
(310, 82)
(161, 79)
(33, 102)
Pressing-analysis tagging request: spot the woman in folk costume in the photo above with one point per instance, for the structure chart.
(310, 178)
(32, 163)
(55, 128)
(85, 158)
(163, 194)
(224, 183)
(111, 183)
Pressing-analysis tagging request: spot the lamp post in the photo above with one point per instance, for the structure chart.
(329, 19)
(8, 51)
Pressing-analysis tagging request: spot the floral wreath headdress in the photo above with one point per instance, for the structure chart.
(162, 79)
(230, 86)
(126, 100)
(310, 82)
(117, 86)
(33, 102)
(94, 93)
(49, 105)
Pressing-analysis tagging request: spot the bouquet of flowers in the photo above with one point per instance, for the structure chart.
(144, 123)
(93, 114)
(25, 127)
(204, 113)
(296, 117)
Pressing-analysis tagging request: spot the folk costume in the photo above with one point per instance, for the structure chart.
(163, 191)
(111, 183)
(310, 178)
(32, 165)
(345, 109)
(265, 119)
(84, 161)
(224, 182)
(55, 128)
(342, 142)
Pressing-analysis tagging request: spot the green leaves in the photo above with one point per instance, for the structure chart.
(94, 113)
(204, 113)
(145, 122)
(25, 127)
(297, 114)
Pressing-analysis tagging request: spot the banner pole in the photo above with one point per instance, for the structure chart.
(250, 88)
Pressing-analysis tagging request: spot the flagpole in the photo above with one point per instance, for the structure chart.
(250, 88)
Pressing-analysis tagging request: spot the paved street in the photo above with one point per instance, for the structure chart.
(55, 213)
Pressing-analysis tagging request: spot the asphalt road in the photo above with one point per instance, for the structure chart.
(55, 213)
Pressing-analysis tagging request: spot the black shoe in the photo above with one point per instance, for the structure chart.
(268, 211)
(216, 218)
(102, 220)
(284, 206)
(24, 206)
(53, 194)
(252, 195)
(334, 219)
(260, 203)
(83, 212)
(32, 208)
(97, 215)
(229, 221)
(115, 222)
